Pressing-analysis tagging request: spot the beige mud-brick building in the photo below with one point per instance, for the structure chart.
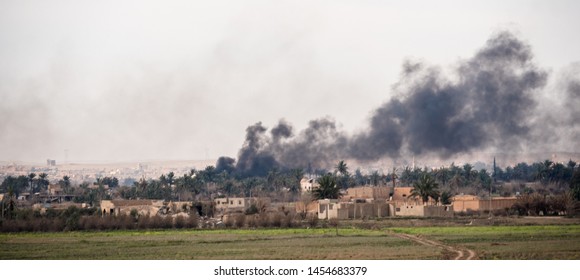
(307, 207)
(402, 196)
(55, 189)
(334, 209)
(239, 204)
(424, 210)
(367, 193)
(462, 203)
(143, 207)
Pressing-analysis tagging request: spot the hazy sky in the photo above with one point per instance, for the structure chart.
(139, 80)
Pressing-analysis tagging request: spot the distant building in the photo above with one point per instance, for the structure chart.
(462, 203)
(372, 193)
(50, 162)
(424, 210)
(55, 189)
(308, 184)
(334, 209)
(239, 204)
(55, 194)
(143, 207)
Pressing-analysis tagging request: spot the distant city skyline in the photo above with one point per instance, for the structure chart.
(182, 80)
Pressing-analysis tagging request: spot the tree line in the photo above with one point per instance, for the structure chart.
(284, 184)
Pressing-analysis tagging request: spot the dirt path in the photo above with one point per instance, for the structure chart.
(460, 253)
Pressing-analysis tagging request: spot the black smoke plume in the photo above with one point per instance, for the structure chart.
(486, 104)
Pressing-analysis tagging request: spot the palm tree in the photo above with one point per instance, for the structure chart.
(456, 182)
(426, 187)
(468, 173)
(65, 184)
(543, 170)
(341, 168)
(31, 182)
(273, 179)
(407, 176)
(171, 179)
(575, 185)
(344, 178)
(11, 203)
(42, 181)
(296, 176)
(141, 186)
(375, 178)
(442, 175)
(394, 176)
(327, 188)
(446, 198)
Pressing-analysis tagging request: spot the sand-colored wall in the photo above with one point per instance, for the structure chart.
(473, 203)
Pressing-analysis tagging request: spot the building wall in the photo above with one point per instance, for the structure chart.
(230, 204)
(307, 185)
(332, 209)
(370, 210)
(54, 189)
(106, 206)
(367, 193)
(497, 203)
(402, 196)
(118, 207)
(473, 203)
(309, 207)
(425, 211)
(410, 210)
(349, 210)
(177, 206)
(327, 209)
(465, 205)
(438, 211)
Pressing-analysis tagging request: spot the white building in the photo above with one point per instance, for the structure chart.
(308, 184)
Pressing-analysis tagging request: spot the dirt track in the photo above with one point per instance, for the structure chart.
(460, 253)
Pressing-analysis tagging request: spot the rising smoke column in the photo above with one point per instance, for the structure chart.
(255, 158)
(319, 144)
(487, 104)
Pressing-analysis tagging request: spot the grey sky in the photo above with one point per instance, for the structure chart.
(136, 80)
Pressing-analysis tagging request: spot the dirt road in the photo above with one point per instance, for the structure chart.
(457, 253)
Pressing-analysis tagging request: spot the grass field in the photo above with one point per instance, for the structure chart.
(489, 242)
(508, 242)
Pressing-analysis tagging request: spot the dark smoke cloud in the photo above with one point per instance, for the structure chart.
(487, 104)
(281, 131)
(255, 157)
(226, 164)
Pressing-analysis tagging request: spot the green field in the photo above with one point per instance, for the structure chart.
(508, 242)
(488, 242)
